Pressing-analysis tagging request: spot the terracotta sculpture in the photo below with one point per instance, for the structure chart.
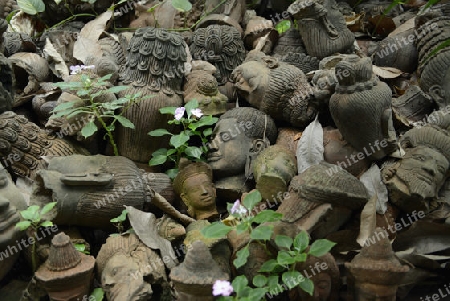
(6, 75)
(202, 86)
(237, 139)
(194, 184)
(418, 176)
(131, 271)
(91, 190)
(260, 34)
(67, 274)
(276, 88)
(376, 271)
(155, 66)
(324, 273)
(195, 277)
(11, 202)
(273, 170)
(16, 42)
(322, 27)
(413, 106)
(360, 97)
(434, 70)
(222, 46)
(23, 143)
(231, 12)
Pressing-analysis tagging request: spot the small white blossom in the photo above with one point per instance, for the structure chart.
(179, 112)
(222, 288)
(78, 68)
(197, 113)
(238, 208)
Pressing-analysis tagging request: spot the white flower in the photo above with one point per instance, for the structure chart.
(222, 288)
(197, 113)
(179, 112)
(238, 208)
(77, 68)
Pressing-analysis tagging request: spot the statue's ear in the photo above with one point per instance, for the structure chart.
(258, 145)
(271, 62)
(437, 93)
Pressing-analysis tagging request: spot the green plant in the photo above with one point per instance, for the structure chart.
(88, 90)
(80, 247)
(275, 272)
(118, 221)
(192, 127)
(33, 221)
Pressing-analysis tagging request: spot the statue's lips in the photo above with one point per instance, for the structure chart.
(424, 178)
(213, 158)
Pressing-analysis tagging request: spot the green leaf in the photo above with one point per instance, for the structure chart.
(206, 120)
(292, 278)
(272, 282)
(123, 216)
(193, 104)
(307, 285)
(46, 224)
(157, 160)
(283, 26)
(168, 110)
(159, 133)
(98, 294)
(300, 257)
(239, 283)
(182, 5)
(252, 199)
(301, 241)
(284, 258)
(31, 213)
(262, 232)
(31, 7)
(179, 140)
(116, 89)
(269, 266)
(48, 207)
(160, 151)
(69, 85)
(125, 122)
(216, 230)
(80, 247)
(207, 132)
(257, 294)
(193, 151)
(11, 15)
(259, 281)
(321, 247)
(267, 216)
(242, 227)
(283, 241)
(105, 78)
(23, 225)
(89, 129)
(172, 173)
(109, 106)
(241, 257)
(120, 101)
(65, 105)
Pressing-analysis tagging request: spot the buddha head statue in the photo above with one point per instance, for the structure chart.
(423, 169)
(324, 273)
(376, 271)
(194, 185)
(238, 137)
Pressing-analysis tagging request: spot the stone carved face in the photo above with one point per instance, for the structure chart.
(229, 148)
(122, 280)
(423, 170)
(322, 288)
(199, 192)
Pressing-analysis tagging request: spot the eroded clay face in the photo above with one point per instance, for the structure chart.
(252, 80)
(322, 288)
(199, 191)
(228, 148)
(423, 171)
(122, 280)
(3, 178)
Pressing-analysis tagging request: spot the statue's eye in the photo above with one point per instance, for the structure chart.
(441, 169)
(419, 157)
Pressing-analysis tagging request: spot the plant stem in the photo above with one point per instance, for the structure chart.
(98, 116)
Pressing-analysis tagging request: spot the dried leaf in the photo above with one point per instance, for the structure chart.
(386, 72)
(87, 42)
(372, 181)
(410, 24)
(55, 60)
(368, 221)
(144, 225)
(310, 146)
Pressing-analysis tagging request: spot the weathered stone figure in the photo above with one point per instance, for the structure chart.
(194, 184)
(6, 74)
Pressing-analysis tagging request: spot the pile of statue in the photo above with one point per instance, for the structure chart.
(304, 116)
